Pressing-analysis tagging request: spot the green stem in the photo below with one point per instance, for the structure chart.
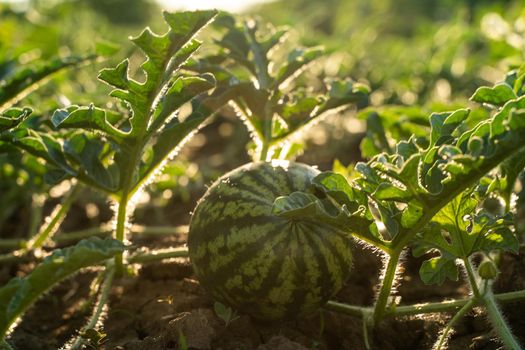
(498, 322)
(107, 230)
(389, 276)
(99, 309)
(4, 345)
(444, 336)
(352, 310)
(264, 151)
(55, 219)
(156, 255)
(472, 277)
(103, 230)
(120, 230)
(15, 257)
(10, 243)
(423, 308)
(37, 206)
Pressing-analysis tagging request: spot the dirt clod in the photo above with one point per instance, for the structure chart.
(281, 343)
(195, 327)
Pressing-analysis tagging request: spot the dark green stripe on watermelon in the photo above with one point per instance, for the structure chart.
(258, 263)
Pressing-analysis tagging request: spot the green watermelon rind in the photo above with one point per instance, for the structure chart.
(260, 264)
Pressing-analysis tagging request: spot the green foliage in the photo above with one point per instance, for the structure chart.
(458, 231)
(151, 120)
(225, 313)
(428, 194)
(263, 81)
(20, 293)
(441, 185)
(24, 81)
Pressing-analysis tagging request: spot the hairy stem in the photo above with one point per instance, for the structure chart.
(389, 276)
(472, 277)
(120, 230)
(37, 206)
(55, 219)
(498, 322)
(422, 308)
(157, 255)
(99, 309)
(444, 335)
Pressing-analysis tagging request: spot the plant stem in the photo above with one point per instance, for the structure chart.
(444, 336)
(17, 256)
(103, 230)
(106, 229)
(156, 255)
(386, 287)
(99, 308)
(498, 322)
(55, 219)
(347, 309)
(472, 277)
(120, 230)
(10, 243)
(37, 204)
(422, 308)
(4, 345)
(264, 151)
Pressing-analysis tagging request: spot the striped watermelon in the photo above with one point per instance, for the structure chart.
(259, 263)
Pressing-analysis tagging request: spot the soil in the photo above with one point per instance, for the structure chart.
(163, 305)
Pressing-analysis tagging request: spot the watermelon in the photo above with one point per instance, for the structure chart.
(261, 264)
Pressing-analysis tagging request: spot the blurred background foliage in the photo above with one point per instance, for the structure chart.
(417, 56)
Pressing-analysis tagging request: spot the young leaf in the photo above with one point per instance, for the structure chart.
(21, 293)
(165, 53)
(308, 207)
(498, 95)
(13, 117)
(458, 231)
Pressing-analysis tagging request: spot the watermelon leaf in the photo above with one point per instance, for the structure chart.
(20, 293)
(12, 117)
(497, 95)
(413, 182)
(459, 230)
(301, 206)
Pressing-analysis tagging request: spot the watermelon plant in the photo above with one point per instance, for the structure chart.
(428, 195)
(261, 78)
(115, 152)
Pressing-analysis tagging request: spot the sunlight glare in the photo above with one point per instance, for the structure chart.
(228, 5)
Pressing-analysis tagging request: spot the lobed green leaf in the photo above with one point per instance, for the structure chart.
(20, 293)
